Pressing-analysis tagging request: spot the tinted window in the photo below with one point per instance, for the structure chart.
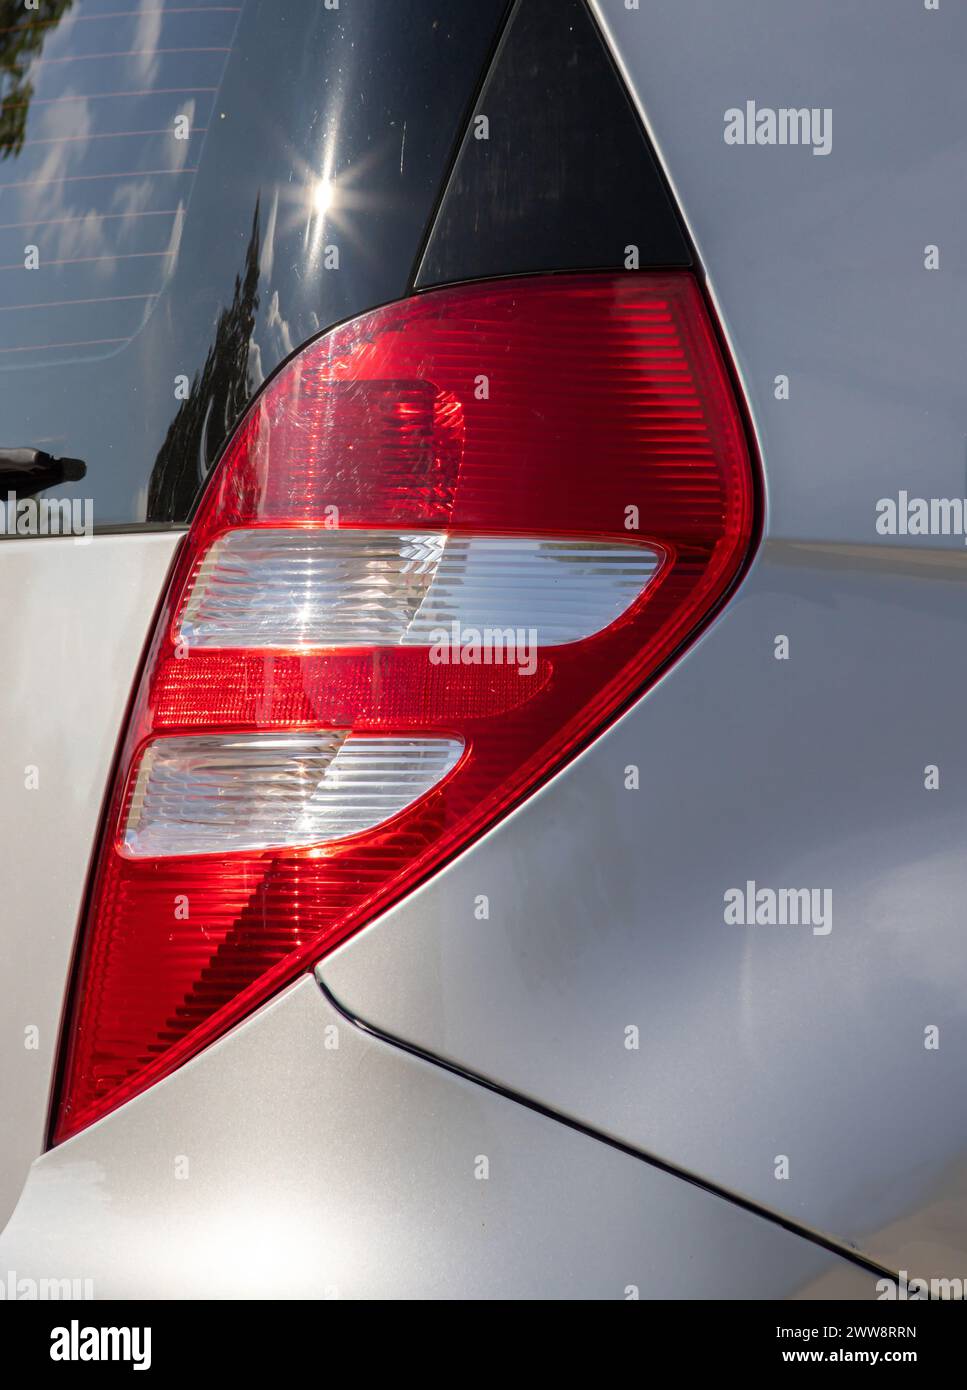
(104, 119)
(565, 178)
(206, 187)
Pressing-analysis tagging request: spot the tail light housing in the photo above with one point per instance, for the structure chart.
(448, 542)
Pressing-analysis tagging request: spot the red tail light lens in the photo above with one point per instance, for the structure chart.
(447, 543)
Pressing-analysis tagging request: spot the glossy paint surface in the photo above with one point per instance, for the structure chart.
(74, 615)
(302, 1158)
(607, 905)
(754, 1043)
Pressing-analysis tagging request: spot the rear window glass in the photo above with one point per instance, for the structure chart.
(188, 192)
(105, 108)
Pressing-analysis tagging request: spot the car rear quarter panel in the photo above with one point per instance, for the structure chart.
(758, 1044)
(73, 620)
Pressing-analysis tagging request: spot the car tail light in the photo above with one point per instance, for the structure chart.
(448, 542)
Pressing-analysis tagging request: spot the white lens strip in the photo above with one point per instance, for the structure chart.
(287, 587)
(217, 793)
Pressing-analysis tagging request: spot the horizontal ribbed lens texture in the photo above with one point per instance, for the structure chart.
(273, 587)
(448, 543)
(212, 794)
(279, 588)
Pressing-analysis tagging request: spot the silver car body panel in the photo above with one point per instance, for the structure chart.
(73, 621)
(300, 1157)
(758, 1043)
(352, 1170)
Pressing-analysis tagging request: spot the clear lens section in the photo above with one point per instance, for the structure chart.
(262, 791)
(351, 588)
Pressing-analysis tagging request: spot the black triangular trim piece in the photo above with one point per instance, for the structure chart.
(565, 179)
